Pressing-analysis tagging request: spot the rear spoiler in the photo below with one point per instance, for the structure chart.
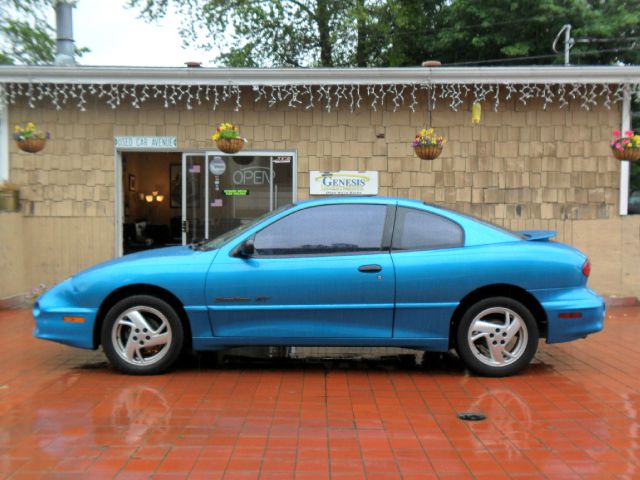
(538, 235)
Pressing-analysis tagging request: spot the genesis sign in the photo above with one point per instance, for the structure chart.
(343, 183)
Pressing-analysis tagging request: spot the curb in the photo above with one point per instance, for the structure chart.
(613, 301)
(14, 302)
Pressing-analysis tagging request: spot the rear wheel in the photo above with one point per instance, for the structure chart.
(142, 335)
(497, 337)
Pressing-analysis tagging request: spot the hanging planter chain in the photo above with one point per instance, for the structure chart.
(432, 151)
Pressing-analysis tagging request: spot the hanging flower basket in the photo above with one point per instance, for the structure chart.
(29, 138)
(230, 145)
(228, 139)
(427, 144)
(630, 154)
(31, 145)
(429, 152)
(625, 147)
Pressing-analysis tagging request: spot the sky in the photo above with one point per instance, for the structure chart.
(116, 37)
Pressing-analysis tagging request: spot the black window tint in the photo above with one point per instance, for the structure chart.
(326, 229)
(418, 230)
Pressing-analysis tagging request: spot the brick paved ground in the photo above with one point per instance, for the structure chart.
(573, 414)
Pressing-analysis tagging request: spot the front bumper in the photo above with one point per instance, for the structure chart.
(59, 320)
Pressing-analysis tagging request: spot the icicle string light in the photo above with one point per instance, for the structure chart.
(353, 97)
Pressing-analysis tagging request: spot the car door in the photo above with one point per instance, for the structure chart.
(429, 259)
(320, 272)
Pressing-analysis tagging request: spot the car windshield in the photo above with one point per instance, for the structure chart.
(231, 234)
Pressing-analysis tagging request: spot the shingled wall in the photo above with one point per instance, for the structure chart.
(522, 167)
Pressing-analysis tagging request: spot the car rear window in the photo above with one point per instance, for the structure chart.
(420, 230)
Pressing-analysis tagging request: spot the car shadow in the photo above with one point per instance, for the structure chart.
(284, 359)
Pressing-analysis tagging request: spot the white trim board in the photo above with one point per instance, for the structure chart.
(319, 76)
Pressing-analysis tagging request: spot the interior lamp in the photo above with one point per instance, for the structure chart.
(155, 195)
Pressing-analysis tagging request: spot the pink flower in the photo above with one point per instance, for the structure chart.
(628, 133)
(616, 132)
(625, 141)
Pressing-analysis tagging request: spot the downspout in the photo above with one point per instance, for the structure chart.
(64, 32)
(4, 141)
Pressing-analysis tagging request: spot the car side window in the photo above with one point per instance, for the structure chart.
(420, 230)
(324, 230)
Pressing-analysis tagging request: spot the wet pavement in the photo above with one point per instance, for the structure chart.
(575, 413)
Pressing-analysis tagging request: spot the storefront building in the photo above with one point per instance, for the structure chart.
(130, 164)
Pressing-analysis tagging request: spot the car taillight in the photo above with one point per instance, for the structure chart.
(586, 268)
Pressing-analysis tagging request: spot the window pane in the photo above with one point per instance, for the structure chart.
(417, 230)
(324, 230)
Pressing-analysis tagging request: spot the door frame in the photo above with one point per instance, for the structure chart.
(118, 215)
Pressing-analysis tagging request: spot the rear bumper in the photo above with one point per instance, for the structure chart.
(571, 313)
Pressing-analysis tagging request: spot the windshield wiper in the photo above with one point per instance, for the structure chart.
(198, 245)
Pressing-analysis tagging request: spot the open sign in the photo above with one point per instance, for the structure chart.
(252, 176)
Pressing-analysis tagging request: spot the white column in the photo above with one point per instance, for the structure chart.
(624, 165)
(4, 141)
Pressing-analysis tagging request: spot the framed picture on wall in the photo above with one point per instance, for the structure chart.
(175, 187)
(132, 183)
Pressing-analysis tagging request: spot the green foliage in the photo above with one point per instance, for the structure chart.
(293, 33)
(270, 33)
(25, 35)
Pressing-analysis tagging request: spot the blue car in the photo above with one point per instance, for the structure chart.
(363, 271)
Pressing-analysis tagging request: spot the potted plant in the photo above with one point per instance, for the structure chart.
(228, 139)
(29, 138)
(9, 197)
(625, 147)
(36, 292)
(427, 144)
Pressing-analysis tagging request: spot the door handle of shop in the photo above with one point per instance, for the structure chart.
(373, 268)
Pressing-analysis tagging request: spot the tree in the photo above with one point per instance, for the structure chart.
(274, 33)
(612, 36)
(503, 31)
(404, 32)
(25, 34)
(293, 33)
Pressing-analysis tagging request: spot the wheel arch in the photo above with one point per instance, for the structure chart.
(499, 290)
(141, 289)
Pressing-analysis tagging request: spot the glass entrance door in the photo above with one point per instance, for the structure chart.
(191, 189)
(221, 192)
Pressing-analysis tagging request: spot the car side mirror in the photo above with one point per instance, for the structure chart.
(247, 249)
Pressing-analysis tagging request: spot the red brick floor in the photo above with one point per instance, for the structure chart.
(575, 413)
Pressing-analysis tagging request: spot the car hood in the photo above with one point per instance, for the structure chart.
(167, 253)
(180, 270)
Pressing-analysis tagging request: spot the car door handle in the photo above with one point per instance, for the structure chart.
(373, 268)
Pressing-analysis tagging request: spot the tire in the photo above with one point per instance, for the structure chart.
(142, 335)
(497, 337)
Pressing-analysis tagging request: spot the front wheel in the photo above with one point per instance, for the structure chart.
(497, 337)
(142, 335)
